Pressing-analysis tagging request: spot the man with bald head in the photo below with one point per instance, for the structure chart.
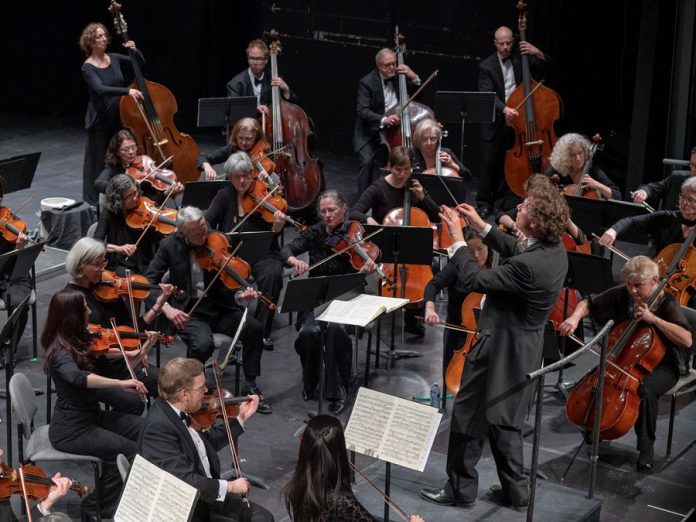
(378, 91)
(501, 72)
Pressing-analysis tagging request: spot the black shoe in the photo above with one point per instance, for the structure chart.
(336, 407)
(497, 495)
(264, 408)
(268, 344)
(439, 496)
(307, 395)
(415, 329)
(645, 462)
(484, 212)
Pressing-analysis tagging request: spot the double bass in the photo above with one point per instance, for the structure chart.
(152, 120)
(300, 173)
(539, 108)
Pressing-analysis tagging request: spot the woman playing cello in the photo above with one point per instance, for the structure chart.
(627, 302)
(426, 149)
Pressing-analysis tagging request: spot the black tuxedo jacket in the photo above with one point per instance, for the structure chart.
(240, 86)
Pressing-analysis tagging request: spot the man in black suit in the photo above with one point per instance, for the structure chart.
(494, 392)
(219, 311)
(378, 92)
(169, 440)
(501, 72)
(666, 191)
(256, 79)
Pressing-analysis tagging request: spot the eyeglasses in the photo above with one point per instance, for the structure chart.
(687, 200)
(387, 65)
(98, 264)
(132, 148)
(257, 60)
(199, 390)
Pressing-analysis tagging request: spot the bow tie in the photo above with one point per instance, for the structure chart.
(258, 81)
(391, 80)
(185, 417)
(507, 60)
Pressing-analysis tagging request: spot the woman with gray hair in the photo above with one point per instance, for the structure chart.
(568, 159)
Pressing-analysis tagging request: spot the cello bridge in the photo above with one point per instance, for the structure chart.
(534, 143)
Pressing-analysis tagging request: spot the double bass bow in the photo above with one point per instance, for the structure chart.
(152, 120)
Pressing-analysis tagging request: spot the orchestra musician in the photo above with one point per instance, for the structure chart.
(501, 72)
(168, 440)
(659, 190)
(629, 301)
(78, 424)
(494, 392)
(105, 84)
(320, 487)
(256, 79)
(318, 241)
(378, 92)
(223, 214)
(426, 139)
(220, 309)
(85, 264)
(568, 159)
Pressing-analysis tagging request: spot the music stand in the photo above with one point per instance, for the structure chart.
(442, 188)
(596, 216)
(224, 112)
(200, 193)
(255, 245)
(314, 294)
(19, 171)
(467, 107)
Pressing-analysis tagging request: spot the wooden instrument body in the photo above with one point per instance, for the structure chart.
(455, 368)
(681, 282)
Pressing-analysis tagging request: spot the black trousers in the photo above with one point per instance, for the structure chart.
(15, 293)
(95, 150)
(233, 509)
(126, 402)
(654, 385)
(268, 274)
(372, 157)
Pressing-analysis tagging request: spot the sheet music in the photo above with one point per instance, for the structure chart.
(361, 310)
(392, 429)
(389, 303)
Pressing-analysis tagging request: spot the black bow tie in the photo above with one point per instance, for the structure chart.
(185, 417)
(507, 60)
(391, 80)
(258, 81)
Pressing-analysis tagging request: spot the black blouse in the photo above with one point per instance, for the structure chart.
(317, 242)
(595, 173)
(382, 197)
(663, 227)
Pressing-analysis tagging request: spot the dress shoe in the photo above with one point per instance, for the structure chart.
(264, 407)
(439, 496)
(307, 395)
(268, 344)
(645, 462)
(497, 495)
(484, 212)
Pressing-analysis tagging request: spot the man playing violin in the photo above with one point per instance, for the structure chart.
(225, 212)
(168, 440)
(627, 302)
(219, 310)
(85, 264)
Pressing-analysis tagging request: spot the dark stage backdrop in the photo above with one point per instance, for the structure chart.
(194, 47)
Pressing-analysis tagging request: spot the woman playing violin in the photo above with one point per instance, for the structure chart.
(85, 264)
(78, 424)
(225, 212)
(626, 302)
(318, 240)
(426, 141)
(568, 160)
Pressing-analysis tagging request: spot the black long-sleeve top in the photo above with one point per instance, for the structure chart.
(113, 229)
(76, 405)
(660, 190)
(317, 242)
(105, 87)
(346, 508)
(595, 173)
(382, 197)
(663, 227)
(215, 157)
(419, 163)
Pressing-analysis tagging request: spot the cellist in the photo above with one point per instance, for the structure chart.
(626, 302)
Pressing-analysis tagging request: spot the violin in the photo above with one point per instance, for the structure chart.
(263, 165)
(11, 226)
(215, 256)
(258, 192)
(577, 189)
(112, 287)
(360, 251)
(149, 215)
(36, 481)
(211, 408)
(105, 338)
(144, 169)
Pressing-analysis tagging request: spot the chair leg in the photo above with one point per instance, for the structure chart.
(33, 331)
(367, 359)
(97, 490)
(670, 432)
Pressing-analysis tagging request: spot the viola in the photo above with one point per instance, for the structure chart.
(10, 225)
(215, 256)
(144, 169)
(149, 215)
(152, 120)
(35, 479)
(258, 192)
(455, 368)
(112, 287)
(360, 251)
(105, 338)
(211, 408)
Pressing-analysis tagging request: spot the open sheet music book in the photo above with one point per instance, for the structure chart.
(152, 495)
(392, 429)
(361, 310)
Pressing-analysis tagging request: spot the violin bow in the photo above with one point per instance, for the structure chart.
(447, 326)
(215, 278)
(152, 220)
(233, 450)
(152, 170)
(125, 357)
(613, 249)
(248, 214)
(422, 86)
(24, 492)
(384, 496)
(134, 317)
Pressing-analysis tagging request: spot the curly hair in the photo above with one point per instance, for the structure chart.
(112, 158)
(245, 124)
(89, 34)
(115, 189)
(560, 155)
(548, 214)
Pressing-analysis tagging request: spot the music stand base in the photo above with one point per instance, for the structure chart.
(393, 355)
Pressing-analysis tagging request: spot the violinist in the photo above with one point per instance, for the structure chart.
(220, 309)
(627, 302)
(78, 424)
(256, 79)
(501, 72)
(223, 214)
(568, 159)
(660, 190)
(378, 92)
(318, 240)
(105, 84)
(426, 143)
(168, 440)
(85, 264)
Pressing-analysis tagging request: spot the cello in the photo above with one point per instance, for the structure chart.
(300, 173)
(577, 189)
(539, 107)
(152, 120)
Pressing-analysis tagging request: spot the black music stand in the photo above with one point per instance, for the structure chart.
(314, 294)
(401, 246)
(225, 112)
(19, 171)
(467, 107)
(596, 216)
(255, 245)
(443, 188)
(200, 193)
